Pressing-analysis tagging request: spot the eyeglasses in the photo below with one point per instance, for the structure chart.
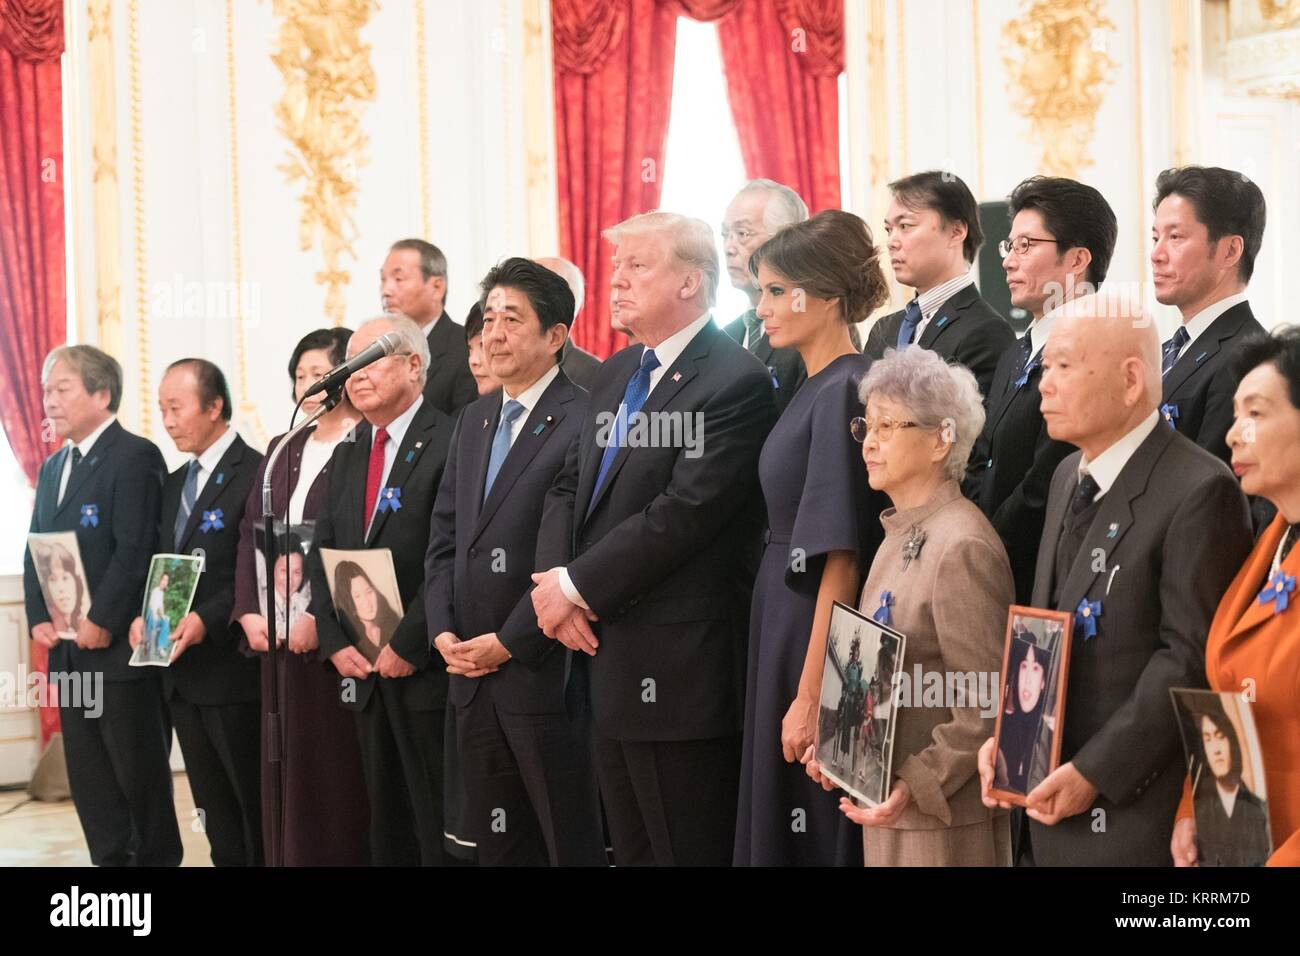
(884, 428)
(1020, 245)
(743, 236)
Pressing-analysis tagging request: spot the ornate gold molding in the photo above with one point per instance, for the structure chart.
(1280, 14)
(422, 94)
(1264, 47)
(327, 76)
(539, 131)
(138, 218)
(1181, 40)
(1057, 68)
(104, 183)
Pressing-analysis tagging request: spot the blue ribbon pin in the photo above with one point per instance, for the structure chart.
(1085, 617)
(1280, 585)
(390, 499)
(220, 479)
(1030, 369)
(771, 370)
(883, 615)
(90, 516)
(212, 521)
(1169, 413)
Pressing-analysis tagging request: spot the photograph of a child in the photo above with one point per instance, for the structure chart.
(363, 586)
(292, 586)
(57, 559)
(855, 728)
(167, 598)
(1224, 764)
(1027, 727)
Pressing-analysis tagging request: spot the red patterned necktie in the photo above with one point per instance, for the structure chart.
(375, 472)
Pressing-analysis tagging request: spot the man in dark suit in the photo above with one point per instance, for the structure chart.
(529, 782)
(761, 209)
(933, 225)
(652, 531)
(105, 486)
(381, 491)
(1144, 533)
(413, 283)
(1062, 237)
(1207, 231)
(578, 364)
(212, 691)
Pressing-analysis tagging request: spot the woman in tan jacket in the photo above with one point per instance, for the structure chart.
(942, 578)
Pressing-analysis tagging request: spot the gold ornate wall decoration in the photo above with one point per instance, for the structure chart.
(1264, 47)
(104, 183)
(539, 130)
(327, 77)
(138, 218)
(422, 90)
(1280, 14)
(1057, 70)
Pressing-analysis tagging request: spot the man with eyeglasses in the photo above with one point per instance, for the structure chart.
(755, 215)
(933, 230)
(1062, 238)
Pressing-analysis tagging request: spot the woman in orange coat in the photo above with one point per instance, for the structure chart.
(1254, 640)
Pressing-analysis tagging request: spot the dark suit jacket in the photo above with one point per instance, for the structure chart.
(214, 671)
(417, 469)
(482, 553)
(579, 365)
(1011, 467)
(1171, 534)
(785, 365)
(1197, 392)
(666, 557)
(122, 477)
(966, 330)
(449, 385)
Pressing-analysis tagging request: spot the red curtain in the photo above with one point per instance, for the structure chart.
(33, 307)
(613, 90)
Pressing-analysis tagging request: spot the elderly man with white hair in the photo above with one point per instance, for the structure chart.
(941, 576)
(381, 491)
(1144, 532)
(649, 546)
(759, 211)
(579, 364)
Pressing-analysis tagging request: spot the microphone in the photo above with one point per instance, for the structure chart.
(385, 345)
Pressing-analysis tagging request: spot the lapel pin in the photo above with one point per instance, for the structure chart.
(1113, 529)
(221, 476)
(419, 444)
(677, 376)
(410, 455)
(485, 423)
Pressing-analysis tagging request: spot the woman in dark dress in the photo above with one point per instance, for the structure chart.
(325, 816)
(816, 278)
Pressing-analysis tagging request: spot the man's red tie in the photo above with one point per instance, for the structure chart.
(375, 473)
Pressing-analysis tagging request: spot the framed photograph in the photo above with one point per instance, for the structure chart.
(1226, 770)
(167, 598)
(62, 577)
(292, 586)
(1031, 713)
(363, 587)
(855, 725)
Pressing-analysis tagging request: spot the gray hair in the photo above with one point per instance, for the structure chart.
(571, 274)
(413, 340)
(691, 243)
(937, 394)
(432, 261)
(785, 207)
(98, 371)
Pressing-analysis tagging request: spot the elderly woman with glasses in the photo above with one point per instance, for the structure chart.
(942, 578)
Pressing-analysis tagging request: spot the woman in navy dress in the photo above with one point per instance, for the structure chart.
(816, 278)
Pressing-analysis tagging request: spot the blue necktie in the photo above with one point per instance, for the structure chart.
(911, 319)
(1171, 350)
(189, 494)
(634, 396)
(501, 442)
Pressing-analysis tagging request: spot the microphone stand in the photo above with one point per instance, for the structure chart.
(274, 745)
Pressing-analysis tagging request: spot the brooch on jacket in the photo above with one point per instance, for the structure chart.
(915, 541)
(1278, 591)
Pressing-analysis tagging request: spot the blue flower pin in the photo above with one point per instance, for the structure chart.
(1085, 617)
(1030, 369)
(390, 499)
(883, 614)
(1280, 585)
(90, 516)
(212, 521)
(1169, 413)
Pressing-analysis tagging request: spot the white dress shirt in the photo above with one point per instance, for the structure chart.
(84, 447)
(1105, 468)
(930, 300)
(1038, 330)
(209, 460)
(528, 398)
(396, 432)
(1202, 320)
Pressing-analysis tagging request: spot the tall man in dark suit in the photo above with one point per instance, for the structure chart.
(413, 283)
(578, 364)
(1208, 229)
(381, 491)
(1144, 533)
(1062, 237)
(105, 486)
(652, 531)
(212, 691)
(529, 781)
(761, 209)
(933, 225)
